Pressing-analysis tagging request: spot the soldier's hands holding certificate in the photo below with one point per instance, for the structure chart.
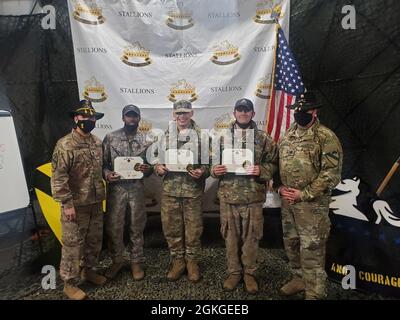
(196, 173)
(145, 168)
(253, 170)
(220, 169)
(161, 170)
(113, 177)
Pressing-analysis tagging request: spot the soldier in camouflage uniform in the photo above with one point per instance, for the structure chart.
(125, 194)
(77, 184)
(242, 196)
(181, 200)
(310, 161)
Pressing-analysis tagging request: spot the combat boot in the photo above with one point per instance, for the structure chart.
(250, 284)
(114, 270)
(73, 292)
(92, 276)
(137, 271)
(232, 282)
(177, 270)
(294, 286)
(193, 270)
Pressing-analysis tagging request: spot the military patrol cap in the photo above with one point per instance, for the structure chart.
(304, 102)
(85, 108)
(244, 103)
(182, 106)
(130, 108)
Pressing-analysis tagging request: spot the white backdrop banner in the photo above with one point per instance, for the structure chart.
(153, 52)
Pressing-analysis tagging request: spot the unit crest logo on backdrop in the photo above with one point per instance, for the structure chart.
(182, 90)
(179, 19)
(94, 91)
(224, 121)
(135, 55)
(145, 125)
(88, 12)
(267, 11)
(264, 86)
(225, 53)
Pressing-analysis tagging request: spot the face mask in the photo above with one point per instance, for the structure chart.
(303, 118)
(131, 127)
(86, 125)
(243, 125)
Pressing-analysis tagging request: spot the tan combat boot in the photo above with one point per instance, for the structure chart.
(137, 271)
(193, 270)
(250, 284)
(294, 286)
(114, 270)
(232, 282)
(93, 277)
(73, 292)
(177, 270)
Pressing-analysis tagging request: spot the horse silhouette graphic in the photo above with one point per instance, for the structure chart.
(346, 204)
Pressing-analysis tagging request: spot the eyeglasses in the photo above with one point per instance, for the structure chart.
(182, 114)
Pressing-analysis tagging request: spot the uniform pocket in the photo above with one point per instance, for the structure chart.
(224, 226)
(258, 227)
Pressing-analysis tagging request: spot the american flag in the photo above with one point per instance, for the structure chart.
(287, 84)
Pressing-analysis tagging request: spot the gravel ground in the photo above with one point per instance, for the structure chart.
(25, 283)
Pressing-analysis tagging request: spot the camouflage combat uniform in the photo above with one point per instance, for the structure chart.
(310, 160)
(241, 198)
(124, 194)
(181, 206)
(77, 182)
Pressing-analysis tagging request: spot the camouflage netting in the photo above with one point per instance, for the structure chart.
(357, 75)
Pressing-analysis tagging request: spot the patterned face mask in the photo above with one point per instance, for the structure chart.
(86, 125)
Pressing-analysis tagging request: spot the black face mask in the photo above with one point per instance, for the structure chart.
(86, 125)
(243, 125)
(303, 118)
(131, 127)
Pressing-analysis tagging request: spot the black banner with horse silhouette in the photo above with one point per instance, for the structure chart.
(365, 234)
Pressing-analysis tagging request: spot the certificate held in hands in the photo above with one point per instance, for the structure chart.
(237, 160)
(128, 167)
(179, 160)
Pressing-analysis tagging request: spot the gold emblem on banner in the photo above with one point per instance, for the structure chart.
(264, 86)
(267, 11)
(94, 91)
(182, 90)
(224, 121)
(179, 20)
(88, 12)
(145, 126)
(225, 53)
(136, 56)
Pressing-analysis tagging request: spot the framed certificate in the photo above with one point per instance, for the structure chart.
(127, 167)
(179, 160)
(237, 160)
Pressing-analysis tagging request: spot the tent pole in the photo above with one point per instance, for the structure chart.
(388, 177)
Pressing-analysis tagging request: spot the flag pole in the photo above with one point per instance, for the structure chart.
(388, 177)
(277, 26)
